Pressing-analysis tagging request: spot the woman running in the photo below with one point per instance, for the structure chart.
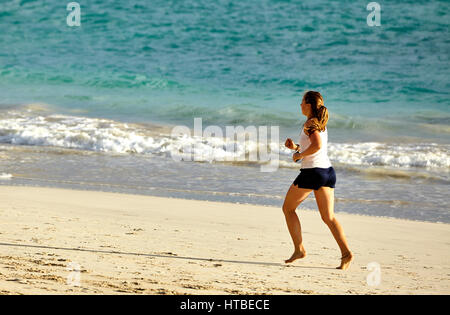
(316, 174)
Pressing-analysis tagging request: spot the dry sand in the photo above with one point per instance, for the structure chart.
(140, 244)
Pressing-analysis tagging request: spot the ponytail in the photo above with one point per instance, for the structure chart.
(320, 113)
(322, 117)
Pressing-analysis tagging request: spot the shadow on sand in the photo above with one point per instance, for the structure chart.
(164, 255)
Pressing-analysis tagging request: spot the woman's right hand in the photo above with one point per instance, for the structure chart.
(290, 144)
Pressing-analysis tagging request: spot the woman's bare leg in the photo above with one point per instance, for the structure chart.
(325, 202)
(293, 198)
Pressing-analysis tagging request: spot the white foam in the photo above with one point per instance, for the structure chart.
(394, 155)
(104, 135)
(4, 176)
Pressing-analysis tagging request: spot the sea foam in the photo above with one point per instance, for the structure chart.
(103, 135)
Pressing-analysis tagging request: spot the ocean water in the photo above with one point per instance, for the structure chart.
(93, 107)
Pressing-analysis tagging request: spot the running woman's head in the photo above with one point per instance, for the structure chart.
(313, 108)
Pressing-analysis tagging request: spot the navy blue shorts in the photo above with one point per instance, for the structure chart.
(314, 178)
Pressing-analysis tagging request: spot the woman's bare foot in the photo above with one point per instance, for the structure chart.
(345, 261)
(298, 254)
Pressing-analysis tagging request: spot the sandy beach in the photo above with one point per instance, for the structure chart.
(150, 245)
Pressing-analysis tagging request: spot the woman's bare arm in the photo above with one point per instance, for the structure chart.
(291, 145)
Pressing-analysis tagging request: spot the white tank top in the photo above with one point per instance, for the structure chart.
(318, 159)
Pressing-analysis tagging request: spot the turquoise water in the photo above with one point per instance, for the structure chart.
(144, 63)
(171, 60)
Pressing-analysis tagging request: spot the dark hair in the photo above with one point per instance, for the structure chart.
(319, 118)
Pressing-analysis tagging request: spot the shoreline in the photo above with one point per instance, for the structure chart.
(136, 244)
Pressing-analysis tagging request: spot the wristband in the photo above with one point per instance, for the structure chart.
(299, 160)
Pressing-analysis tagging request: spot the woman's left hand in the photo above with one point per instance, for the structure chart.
(297, 156)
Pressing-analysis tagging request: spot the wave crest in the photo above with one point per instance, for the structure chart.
(103, 135)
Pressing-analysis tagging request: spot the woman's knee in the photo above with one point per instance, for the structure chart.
(287, 208)
(328, 219)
